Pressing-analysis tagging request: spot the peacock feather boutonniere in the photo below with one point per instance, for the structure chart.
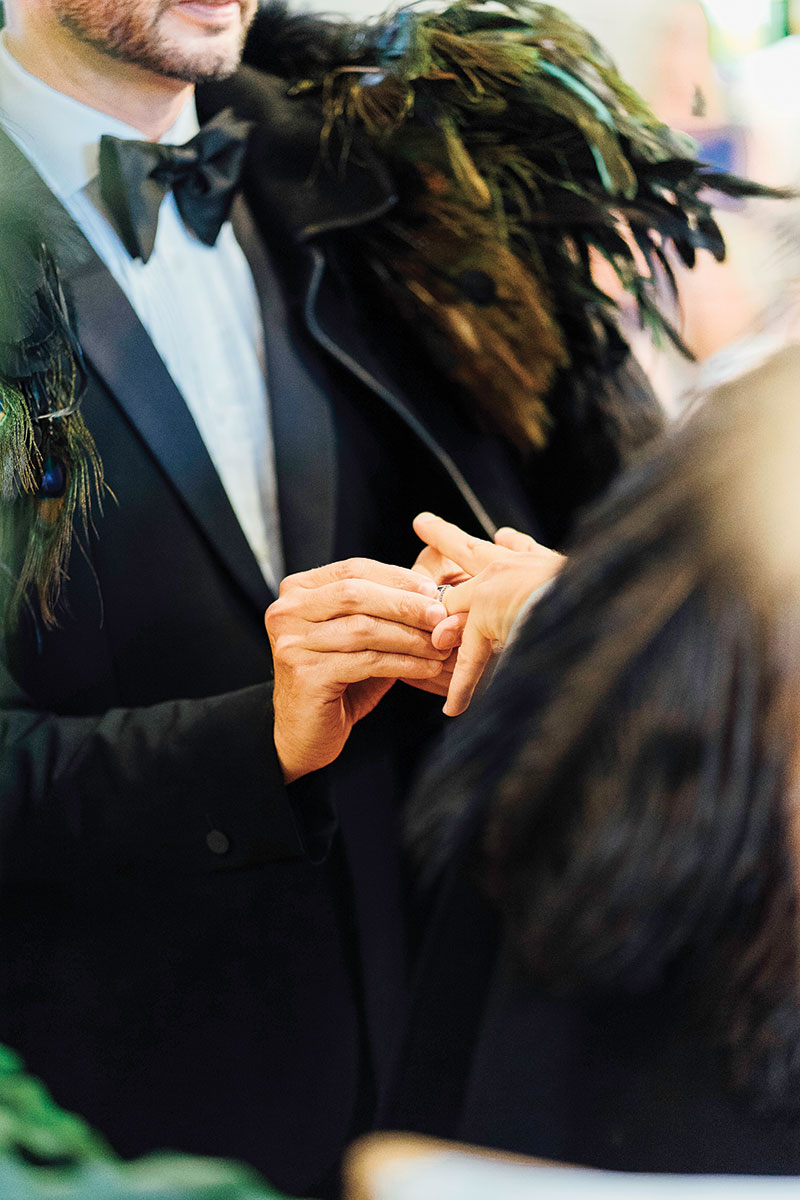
(49, 469)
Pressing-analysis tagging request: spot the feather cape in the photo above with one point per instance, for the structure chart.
(520, 157)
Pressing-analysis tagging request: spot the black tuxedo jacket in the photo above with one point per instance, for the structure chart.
(193, 955)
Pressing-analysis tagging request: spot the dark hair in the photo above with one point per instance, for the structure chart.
(629, 772)
(296, 44)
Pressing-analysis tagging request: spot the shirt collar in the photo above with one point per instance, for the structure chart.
(61, 136)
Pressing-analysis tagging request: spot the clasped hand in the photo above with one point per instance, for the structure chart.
(491, 582)
(341, 635)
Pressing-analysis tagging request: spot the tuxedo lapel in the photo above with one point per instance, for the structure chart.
(118, 347)
(302, 422)
(119, 350)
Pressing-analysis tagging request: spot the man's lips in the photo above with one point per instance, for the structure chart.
(212, 12)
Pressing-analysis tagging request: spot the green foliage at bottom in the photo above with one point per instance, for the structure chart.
(48, 1154)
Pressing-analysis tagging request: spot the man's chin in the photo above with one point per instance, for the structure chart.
(201, 60)
(206, 40)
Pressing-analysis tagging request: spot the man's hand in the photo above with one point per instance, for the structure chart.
(340, 636)
(490, 583)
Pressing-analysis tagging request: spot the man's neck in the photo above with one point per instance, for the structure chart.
(140, 98)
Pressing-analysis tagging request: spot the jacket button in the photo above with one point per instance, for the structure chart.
(217, 842)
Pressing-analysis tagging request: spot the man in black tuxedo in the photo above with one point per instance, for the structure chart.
(201, 906)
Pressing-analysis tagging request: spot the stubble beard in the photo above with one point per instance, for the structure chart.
(116, 29)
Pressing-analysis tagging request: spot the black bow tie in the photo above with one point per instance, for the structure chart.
(204, 174)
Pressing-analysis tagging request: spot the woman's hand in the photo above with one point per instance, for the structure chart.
(489, 584)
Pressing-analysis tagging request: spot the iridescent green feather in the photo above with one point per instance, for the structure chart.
(19, 460)
(50, 473)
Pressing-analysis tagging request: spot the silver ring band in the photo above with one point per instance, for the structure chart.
(440, 591)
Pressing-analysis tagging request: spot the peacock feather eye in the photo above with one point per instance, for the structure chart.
(397, 38)
(54, 479)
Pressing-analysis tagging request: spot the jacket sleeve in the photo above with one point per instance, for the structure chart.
(187, 785)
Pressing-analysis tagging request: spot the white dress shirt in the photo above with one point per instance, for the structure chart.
(198, 303)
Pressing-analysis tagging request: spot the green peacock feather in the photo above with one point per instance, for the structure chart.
(49, 469)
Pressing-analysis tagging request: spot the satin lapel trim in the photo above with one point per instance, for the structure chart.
(302, 421)
(118, 347)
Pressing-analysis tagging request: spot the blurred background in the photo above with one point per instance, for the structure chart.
(728, 73)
